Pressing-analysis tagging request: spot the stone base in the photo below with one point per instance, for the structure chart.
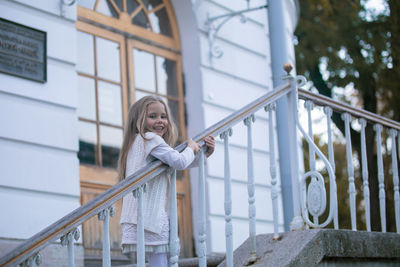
(323, 247)
(52, 255)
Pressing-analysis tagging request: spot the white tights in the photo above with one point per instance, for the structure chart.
(157, 259)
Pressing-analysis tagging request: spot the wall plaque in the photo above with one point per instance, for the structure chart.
(22, 51)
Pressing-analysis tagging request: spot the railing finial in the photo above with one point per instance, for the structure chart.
(288, 67)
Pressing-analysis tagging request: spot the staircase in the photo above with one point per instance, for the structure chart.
(300, 247)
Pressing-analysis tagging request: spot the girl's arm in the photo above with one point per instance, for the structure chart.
(157, 148)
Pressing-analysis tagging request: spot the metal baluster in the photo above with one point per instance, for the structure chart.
(250, 189)
(393, 133)
(104, 216)
(272, 169)
(378, 128)
(173, 222)
(350, 169)
(68, 240)
(309, 105)
(228, 199)
(37, 259)
(328, 112)
(364, 162)
(202, 248)
(140, 246)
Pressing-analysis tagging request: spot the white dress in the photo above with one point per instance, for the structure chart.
(155, 198)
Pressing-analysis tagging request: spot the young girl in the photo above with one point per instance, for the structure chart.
(149, 133)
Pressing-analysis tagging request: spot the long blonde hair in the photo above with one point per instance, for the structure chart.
(135, 124)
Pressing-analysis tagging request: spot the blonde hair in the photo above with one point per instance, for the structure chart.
(135, 124)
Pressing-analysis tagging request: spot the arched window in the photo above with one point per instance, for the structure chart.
(126, 49)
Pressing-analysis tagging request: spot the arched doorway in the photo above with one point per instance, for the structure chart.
(126, 49)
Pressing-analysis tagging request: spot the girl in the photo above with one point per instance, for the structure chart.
(149, 133)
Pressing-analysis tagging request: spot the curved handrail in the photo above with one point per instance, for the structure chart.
(116, 192)
(341, 107)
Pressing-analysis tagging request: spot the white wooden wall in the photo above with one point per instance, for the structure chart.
(240, 76)
(39, 168)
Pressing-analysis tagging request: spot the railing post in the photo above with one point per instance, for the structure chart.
(173, 219)
(382, 206)
(393, 133)
(202, 248)
(364, 164)
(68, 240)
(350, 170)
(37, 259)
(228, 200)
(297, 221)
(328, 112)
(140, 246)
(251, 189)
(104, 216)
(272, 169)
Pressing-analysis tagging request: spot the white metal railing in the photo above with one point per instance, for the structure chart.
(309, 195)
(349, 115)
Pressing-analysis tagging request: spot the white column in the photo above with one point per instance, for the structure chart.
(228, 200)
(173, 223)
(104, 216)
(382, 205)
(364, 163)
(201, 239)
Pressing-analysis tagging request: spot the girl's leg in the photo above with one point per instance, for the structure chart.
(157, 259)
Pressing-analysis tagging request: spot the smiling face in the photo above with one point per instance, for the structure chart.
(156, 119)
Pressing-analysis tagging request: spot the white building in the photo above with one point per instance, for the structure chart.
(59, 137)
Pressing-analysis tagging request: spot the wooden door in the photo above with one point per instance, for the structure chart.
(114, 70)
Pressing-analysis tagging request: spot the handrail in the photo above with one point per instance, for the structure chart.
(116, 192)
(341, 107)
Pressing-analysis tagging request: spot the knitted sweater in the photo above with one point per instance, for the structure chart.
(156, 195)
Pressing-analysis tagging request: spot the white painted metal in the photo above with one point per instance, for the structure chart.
(104, 216)
(228, 200)
(350, 171)
(309, 105)
(293, 116)
(140, 249)
(68, 240)
(328, 112)
(393, 133)
(272, 168)
(201, 239)
(382, 205)
(173, 223)
(364, 164)
(321, 203)
(251, 189)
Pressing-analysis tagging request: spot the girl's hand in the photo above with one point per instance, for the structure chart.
(210, 144)
(193, 145)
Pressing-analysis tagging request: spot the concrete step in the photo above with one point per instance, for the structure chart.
(212, 261)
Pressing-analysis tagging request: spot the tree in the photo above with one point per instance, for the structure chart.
(358, 49)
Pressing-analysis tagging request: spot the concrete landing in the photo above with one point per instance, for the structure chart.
(323, 247)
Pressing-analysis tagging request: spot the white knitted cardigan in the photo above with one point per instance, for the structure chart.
(156, 195)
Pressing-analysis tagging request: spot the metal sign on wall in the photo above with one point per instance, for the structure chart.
(22, 51)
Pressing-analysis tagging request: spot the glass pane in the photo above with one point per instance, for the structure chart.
(108, 65)
(87, 3)
(131, 6)
(144, 75)
(87, 142)
(160, 22)
(85, 61)
(139, 95)
(150, 4)
(110, 103)
(166, 76)
(87, 98)
(105, 8)
(111, 140)
(141, 20)
(174, 108)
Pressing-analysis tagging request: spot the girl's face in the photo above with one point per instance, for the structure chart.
(156, 119)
